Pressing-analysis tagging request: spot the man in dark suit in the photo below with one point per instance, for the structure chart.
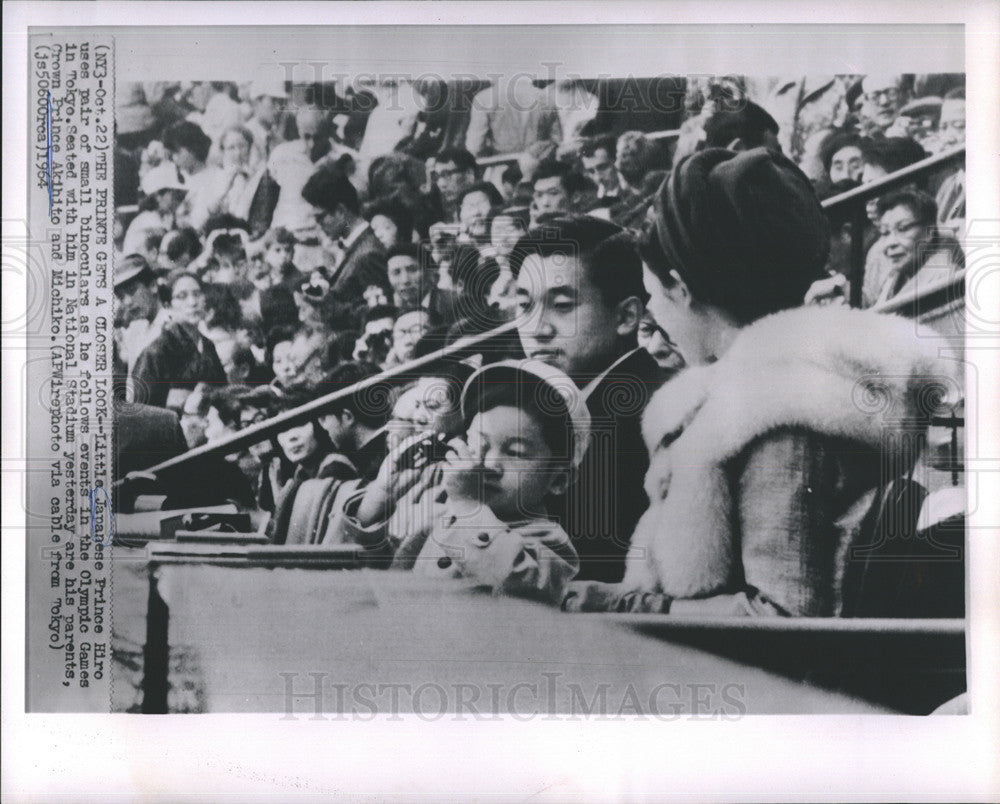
(413, 277)
(363, 261)
(580, 300)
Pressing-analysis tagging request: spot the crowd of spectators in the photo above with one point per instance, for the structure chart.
(273, 248)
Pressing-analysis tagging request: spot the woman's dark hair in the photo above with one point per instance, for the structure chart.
(488, 189)
(298, 394)
(395, 210)
(226, 399)
(184, 242)
(186, 134)
(279, 334)
(223, 308)
(837, 141)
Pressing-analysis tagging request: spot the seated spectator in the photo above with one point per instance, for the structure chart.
(951, 134)
(356, 425)
(228, 257)
(158, 211)
(361, 258)
(476, 205)
(654, 340)
(249, 192)
(410, 326)
(918, 120)
(754, 506)
(474, 277)
(279, 249)
(375, 341)
(279, 347)
(915, 252)
(509, 226)
(414, 281)
(455, 169)
(882, 96)
(842, 158)
(180, 357)
(598, 158)
(552, 189)
(580, 300)
(431, 404)
(509, 181)
(391, 222)
(188, 147)
(141, 315)
(221, 410)
(884, 155)
(636, 156)
(483, 515)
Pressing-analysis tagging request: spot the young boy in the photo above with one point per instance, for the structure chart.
(481, 514)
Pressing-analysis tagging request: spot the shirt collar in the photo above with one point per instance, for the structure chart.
(591, 386)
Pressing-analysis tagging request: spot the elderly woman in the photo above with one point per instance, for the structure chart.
(766, 454)
(181, 356)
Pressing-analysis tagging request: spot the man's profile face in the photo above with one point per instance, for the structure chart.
(549, 195)
(563, 319)
(600, 169)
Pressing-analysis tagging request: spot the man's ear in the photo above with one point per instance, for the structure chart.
(629, 313)
(560, 482)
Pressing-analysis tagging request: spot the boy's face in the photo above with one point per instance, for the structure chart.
(514, 461)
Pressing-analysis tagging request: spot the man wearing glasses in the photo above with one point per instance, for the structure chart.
(882, 96)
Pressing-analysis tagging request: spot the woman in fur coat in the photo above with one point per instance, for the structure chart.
(766, 455)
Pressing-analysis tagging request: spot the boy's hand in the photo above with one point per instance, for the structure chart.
(461, 479)
(399, 472)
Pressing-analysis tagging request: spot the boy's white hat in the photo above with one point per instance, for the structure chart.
(508, 371)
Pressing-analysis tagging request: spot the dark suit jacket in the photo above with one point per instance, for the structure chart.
(145, 436)
(364, 264)
(600, 510)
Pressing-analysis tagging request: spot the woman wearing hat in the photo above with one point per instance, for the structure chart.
(768, 452)
(163, 195)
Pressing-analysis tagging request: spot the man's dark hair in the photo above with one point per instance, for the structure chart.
(329, 189)
(369, 407)
(609, 255)
(186, 134)
(922, 206)
(607, 143)
(461, 158)
(184, 242)
(891, 153)
(511, 175)
(553, 168)
(749, 124)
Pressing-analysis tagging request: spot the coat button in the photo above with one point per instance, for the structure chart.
(444, 562)
(484, 538)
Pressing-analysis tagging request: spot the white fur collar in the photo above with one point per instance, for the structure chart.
(834, 371)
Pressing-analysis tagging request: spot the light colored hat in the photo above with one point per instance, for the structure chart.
(131, 266)
(516, 372)
(162, 177)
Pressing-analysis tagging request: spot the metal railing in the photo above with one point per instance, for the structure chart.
(262, 431)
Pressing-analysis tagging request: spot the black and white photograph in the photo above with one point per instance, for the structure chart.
(449, 374)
